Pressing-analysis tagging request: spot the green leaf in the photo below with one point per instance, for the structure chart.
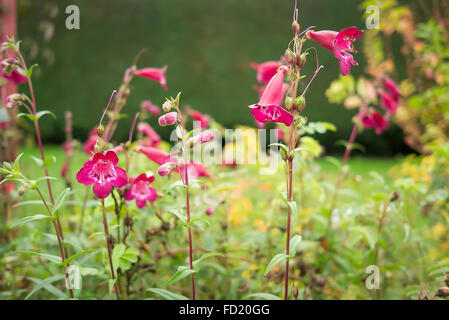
(43, 113)
(294, 244)
(59, 201)
(279, 258)
(49, 257)
(16, 166)
(50, 288)
(179, 215)
(30, 219)
(79, 254)
(194, 220)
(181, 273)
(262, 295)
(27, 115)
(281, 145)
(44, 283)
(167, 295)
(30, 71)
(197, 263)
(174, 185)
(369, 234)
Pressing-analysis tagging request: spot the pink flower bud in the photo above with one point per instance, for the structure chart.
(163, 170)
(210, 211)
(168, 119)
(203, 137)
(167, 106)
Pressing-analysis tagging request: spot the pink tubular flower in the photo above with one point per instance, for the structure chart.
(89, 145)
(167, 167)
(168, 119)
(203, 137)
(156, 74)
(198, 116)
(268, 108)
(389, 103)
(147, 130)
(391, 86)
(150, 107)
(266, 70)
(141, 190)
(103, 173)
(194, 170)
(339, 43)
(375, 121)
(157, 155)
(8, 70)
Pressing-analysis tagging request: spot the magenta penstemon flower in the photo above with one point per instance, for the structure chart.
(141, 190)
(374, 120)
(157, 155)
(340, 43)
(269, 109)
(388, 103)
(198, 116)
(150, 107)
(150, 133)
(265, 70)
(9, 70)
(103, 173)
(156, 74)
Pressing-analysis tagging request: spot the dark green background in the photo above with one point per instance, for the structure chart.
(207, 44)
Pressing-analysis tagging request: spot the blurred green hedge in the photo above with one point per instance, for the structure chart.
(207, 45)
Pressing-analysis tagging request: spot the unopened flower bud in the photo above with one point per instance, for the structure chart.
(21, 191)
(289, 55)
(203, 137)
(167, 106)
(300, 102)
(164, 170)
(168, 119)
(352, 102)
(303, 59)
(210, 211)
(296, 27)
(288, 102)
(14, 100)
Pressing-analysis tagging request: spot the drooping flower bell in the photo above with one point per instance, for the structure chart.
(269, 109)
(340, 43)
(150, 133)
(157, 155)
(89, 145)
(374, 120)
(103, 173)
(265, 70)
(198, 116)
(141, 190)
(156, 74)
(388, 103)
(9, 70)
(392, 87)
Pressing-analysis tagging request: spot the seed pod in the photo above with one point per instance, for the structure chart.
(394, 196)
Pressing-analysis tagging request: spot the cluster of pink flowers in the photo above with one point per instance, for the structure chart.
(389, 96)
